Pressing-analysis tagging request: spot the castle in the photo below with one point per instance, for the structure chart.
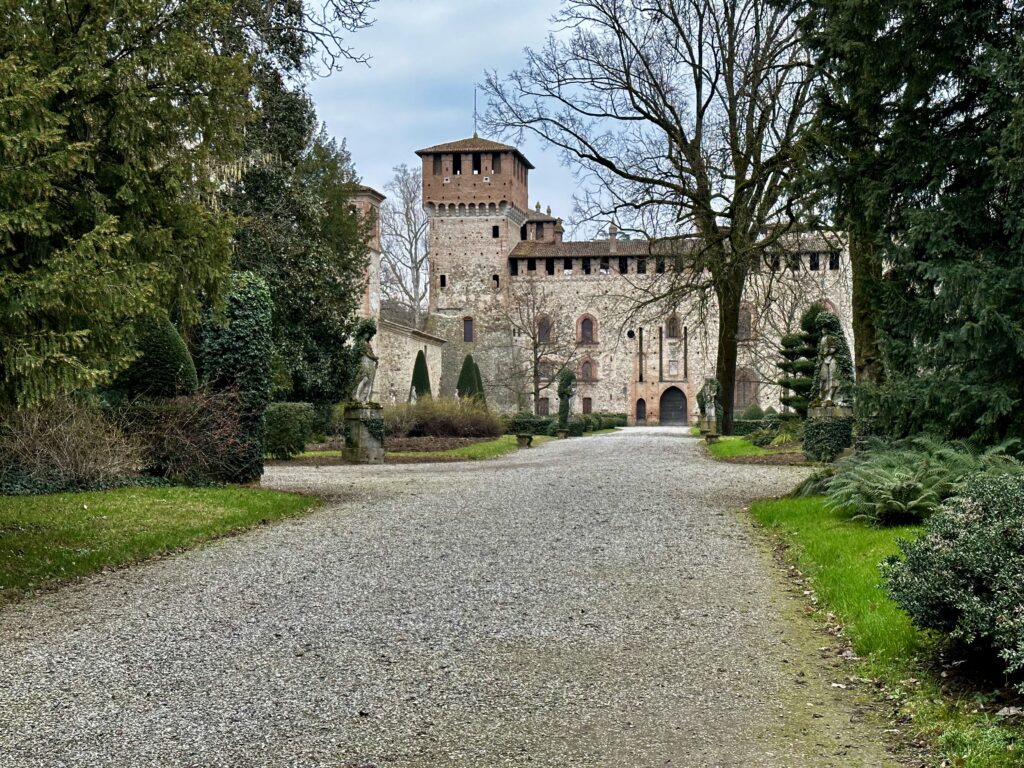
(506, 287)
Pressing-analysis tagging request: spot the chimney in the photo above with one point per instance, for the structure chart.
(613, 236)
(559, 231)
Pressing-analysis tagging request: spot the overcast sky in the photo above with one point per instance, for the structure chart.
(418, 89)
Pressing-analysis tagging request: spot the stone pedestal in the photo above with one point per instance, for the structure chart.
(829, 411)
(524, 441)
(364, 433)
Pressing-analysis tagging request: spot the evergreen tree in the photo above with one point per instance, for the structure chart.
(421, 376)
(479, 383)
(164, 367)
(799, 355)
(468, 375)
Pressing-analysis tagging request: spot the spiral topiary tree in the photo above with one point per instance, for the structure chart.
(799, 360)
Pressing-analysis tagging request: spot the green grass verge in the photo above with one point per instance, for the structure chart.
(488, 449)
(45, 540)
(840, 558)
(729, 447)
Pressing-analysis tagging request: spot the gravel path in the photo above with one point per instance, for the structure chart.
(594, 602)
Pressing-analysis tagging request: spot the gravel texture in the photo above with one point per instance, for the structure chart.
(591, 602)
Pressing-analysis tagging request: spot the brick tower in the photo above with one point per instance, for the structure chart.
(475, 193)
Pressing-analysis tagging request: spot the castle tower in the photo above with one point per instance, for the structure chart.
(475, 193)
(366, 202)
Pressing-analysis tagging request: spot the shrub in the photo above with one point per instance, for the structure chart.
(466, 385)
(479, 382)
(289, 426)
(576, 426)
(825, 439)
(770, 411)
(164, 367)
(66, 446)
(235, 355)
(528, 424)
(965, 575)
(193, 439)
(421, 376)
(442, 418)
(888, 484)
(743, 427)
(753, 413)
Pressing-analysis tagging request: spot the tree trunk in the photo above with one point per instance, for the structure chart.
(730, 295)
(866, 267)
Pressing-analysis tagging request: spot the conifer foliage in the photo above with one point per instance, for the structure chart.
(799, 358)
(421, 376)
(470, 383)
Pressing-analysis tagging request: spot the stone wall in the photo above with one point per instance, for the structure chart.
(396, 347)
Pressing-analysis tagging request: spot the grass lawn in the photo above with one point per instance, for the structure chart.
(840, 558)
(488, 449)
(45, 540)
(729, 447)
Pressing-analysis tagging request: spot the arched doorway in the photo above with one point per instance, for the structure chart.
(673, 406)
(641, 411)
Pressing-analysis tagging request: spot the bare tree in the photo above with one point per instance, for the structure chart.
(685, 119)
(542, 333)
(403, 235)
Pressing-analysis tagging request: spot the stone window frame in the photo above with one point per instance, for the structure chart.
(544, 323)
(468, 330)
(588, 361)
(593, 329)
(673, 327)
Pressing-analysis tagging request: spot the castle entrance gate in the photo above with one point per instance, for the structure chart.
(673, 407)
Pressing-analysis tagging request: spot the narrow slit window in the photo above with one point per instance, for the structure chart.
(456, 165)
(659, 265)
(467, 329)
(586, 266)
(437, 165)
(522, 232)
(604, 265)
(567, 266)
(513, 266)
(495, 231)
(495, 282)
(833, 260)
(444, 281)
(814, 262)
(540, 230)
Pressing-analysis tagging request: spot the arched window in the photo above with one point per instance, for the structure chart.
(746, 389)
(588, 370)
(588, 330)
(467, 329)
(544, 330)
(672, 327)
(745, 329)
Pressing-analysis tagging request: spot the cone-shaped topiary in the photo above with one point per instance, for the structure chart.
(421, 376)
(479, 383)
(164, 368)
(467, 384)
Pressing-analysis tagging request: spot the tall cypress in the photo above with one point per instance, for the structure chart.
(467, 384)
(421, 376)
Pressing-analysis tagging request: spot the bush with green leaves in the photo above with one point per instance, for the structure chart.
(421, 376)
(752, 413)
(235, 354)
(526, 423)
(289, 426)
(164, 367)
(907, 481)
(826, 439)
(442, 417)
(576, 425)
(965, 575)
(469, 384)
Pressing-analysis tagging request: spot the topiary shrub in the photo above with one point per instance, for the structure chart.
(164, 367)
(235, 354)
(825, 439)
(289, 426)
(753, 413)
(965, 575)
(421, 376)
(525, 423)
(479, 383)
(576, 425)
(467, 385)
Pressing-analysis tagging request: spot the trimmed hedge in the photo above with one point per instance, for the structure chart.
(289, 426)
(825, 439)
(164, 367)
(965, 575)
(421, 376)
(743, 427)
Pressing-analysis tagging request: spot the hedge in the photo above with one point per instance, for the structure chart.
(164, 367)
(825, 439)
(289, 426)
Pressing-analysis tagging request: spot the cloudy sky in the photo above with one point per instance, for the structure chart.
(418, 89)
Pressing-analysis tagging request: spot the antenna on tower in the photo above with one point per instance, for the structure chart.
(475, 136)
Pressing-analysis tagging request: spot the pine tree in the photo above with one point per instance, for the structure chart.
(421, 376)
(467, 383)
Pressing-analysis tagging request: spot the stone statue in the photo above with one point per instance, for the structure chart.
(828, 379)
(367, 374)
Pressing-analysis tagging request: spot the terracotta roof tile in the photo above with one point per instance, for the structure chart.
(581, 249)
(473, 144)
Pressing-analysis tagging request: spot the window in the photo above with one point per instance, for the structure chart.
(495, 282)
(543, 406)
(496, 163)
(746, 389)
(456, 165)
(549, 266)
(495, 231)
(587, 330)
(776, 262)
(540, 230)
(793, 262)
(659, 265)
(467, 329)
(672, 327)
(588, 371)
(833, 260)
(444, 281)
(588, 405)
(623, 265)
(544, 331)
(437, 165)
(745, 327)
(522, 232)
(513, 266)
(604, 265)
(567, 266)
(586, 266)
(641, 266)
(477, 164)
(814, 262)
(531, 265)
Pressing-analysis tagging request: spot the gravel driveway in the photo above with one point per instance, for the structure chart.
(592, 602)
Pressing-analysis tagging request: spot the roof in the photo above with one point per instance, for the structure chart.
(533, 249)
(389, 325)
(534, 215)
(473, 144)
(362, 189)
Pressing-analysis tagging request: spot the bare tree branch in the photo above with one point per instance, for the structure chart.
(403, 234)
